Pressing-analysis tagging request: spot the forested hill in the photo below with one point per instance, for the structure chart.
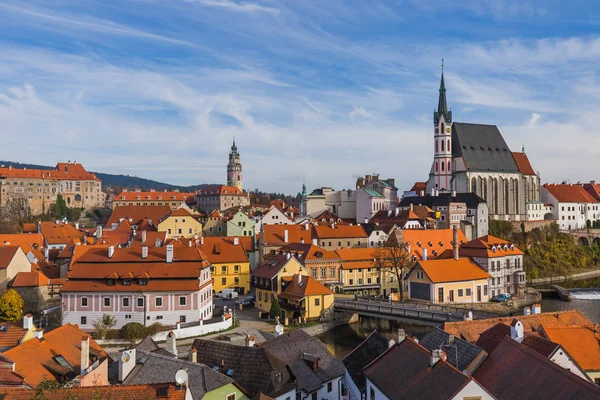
(122, 181)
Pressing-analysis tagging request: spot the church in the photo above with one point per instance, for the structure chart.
(474, 158)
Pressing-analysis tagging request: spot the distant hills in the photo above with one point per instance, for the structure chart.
(119, 181)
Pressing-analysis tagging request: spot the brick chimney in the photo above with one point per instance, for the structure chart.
(455, 242)
(85, 354)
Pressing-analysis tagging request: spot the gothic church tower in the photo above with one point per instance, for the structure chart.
(234, 168)
(441, 170)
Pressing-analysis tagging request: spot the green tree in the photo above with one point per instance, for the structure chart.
(133, 331)
(104, 324)
(588, 225)
(59, 208)
(275, 308)
(11, 306)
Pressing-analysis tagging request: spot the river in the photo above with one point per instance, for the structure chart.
(342, 339)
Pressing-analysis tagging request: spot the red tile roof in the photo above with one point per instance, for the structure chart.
(60, 233)
(593, 189)
(438, 240)
(223, 250)
(30, 228)
(569, 193)
(582, 342)
(418, 186)
(308, 286)
(7, 253)
(220, 189)
(139, 213)
(13, 335)
(29, 279)
(128, 392)
(523, 163)
(149, 196)
(489, 246)
(274, 235)
(451, 270)
(340, 231)
(309, 252)
(27, 241)
(270, 268)
(62, 171)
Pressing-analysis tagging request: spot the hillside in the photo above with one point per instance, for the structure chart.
(121, 181)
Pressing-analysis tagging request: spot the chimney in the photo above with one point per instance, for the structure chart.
(391, 343)
(517, 331)
(143, 237)
(27, 322)
(169, 253)
(422, 193)
(285, 236)
(592, 182)
(315, 242)
(454, 193)
(455, 242)
(98, 232)
(144, 251)
(39, 333)
(536, 309)
(433, 191)
(250, 341)
(130, 220)
(193, 355)
(424, 254)
(389, 213)
(77, 225)
(171, 343)
(236, 241)
(436, 355)
(526, 311)
(366, 220)
(202, 240)
(401, 335)
(408, 248)
(85, 354)
(301, 240)
(398, 211)
(127, 362)
(157, 242)
(46, 253)
(288, 256)
(411, 207)
(111, 251)
(299, 279)
(437, 192)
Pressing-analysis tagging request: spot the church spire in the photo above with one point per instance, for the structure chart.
(442, 109)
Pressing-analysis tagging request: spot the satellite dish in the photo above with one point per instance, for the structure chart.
(125, 357)
(181, 377)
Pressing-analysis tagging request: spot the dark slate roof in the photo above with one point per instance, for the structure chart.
(371, 348)
(482, 147)
(438, 339)
(512, 371)
(296, 349)
(491, 338)
(370, 227)
(153, 368)
(404, 372)
(470, 199)
(251, 367)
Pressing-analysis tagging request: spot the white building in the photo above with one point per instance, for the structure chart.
(572, 205)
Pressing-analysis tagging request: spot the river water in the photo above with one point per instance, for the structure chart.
(342, 339)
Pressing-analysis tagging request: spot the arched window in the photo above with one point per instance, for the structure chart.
(442, 145)
(442, 128)
(474, 185)
(449, 169)
(448, 147)
(436, 145)
(436, 166)
(443, 163)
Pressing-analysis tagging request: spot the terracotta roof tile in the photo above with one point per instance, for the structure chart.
(439, 240)
(30, 228)
(222, 249)
(29, 279)
(451, 270)
(62, 171)
(569, 193)
(60, 233)
(220, 189)
(139, 213)
(7, 253)
(309, 252)
(340, 231)
(149, 196)
(11, 334)
(418, 186)
(483, 247)
(307, 286)
(582, 342)
(27, 241)
(523, 163)
(593, 189)
(274, 235)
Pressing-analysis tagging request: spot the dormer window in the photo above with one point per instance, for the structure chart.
(126, 282)
(160, 197)
(143, 281)
(137, 197)
(111, 282)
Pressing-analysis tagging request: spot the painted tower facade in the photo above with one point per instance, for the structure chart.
(234, 168)
(441, 170)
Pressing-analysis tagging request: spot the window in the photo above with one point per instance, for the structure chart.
(158, 317)
(339, 244)
(332, 272)
(468, 292)
(236, 269)
(330, 244)
(223, 269)
(329, 387)
(190, 231)
(372, 393)
(369, 281)
(460, 292)
(84, 302)
(351, 281)
(125, 301)
(360, 281)
(314, 272)
(236, 280)
(314, 396)
(158, 302)
(126, 282)
(107, 302)
(179, 231)
(182, 319)
(485, 290)
(182, 300)
(169, 231)
(140, 302)
(223, 281)
(323, 272)
(83, 321)
(143, 281)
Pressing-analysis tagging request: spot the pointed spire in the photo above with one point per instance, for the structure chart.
(442, 109)
(303, 189)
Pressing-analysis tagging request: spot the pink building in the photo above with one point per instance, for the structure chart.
(145, 285)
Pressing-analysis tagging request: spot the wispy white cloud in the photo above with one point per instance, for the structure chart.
(236, 6)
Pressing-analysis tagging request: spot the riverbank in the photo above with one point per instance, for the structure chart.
(563, 278)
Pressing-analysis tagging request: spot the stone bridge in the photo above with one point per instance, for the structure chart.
(585, 238)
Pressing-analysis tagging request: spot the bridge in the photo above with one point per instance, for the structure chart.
(585, 237)
(409, 311)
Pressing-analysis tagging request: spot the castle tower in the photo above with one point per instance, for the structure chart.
(441, 171)
(234, 168)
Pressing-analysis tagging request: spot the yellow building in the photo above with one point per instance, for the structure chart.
(304, 298)
(269, 279)
(448, 281)
(181, 223)
(230, 266)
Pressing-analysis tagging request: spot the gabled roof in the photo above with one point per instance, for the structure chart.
(274, 235)
(482, 148)
(29, 279)
(221, 190)
(593, 189)
(302, 286)
(59, 233)
(129, 392)
(492, 337)
(512, 371)
(270, 268)
(362, 355)
(27, 241)
(35, 359)
(62, 171)
(7, 253)
(523, 163)
(404, 372)
(470, 330)
(181, 212)
(418, 186)
(465, 351)
(309, 252)
(582, 342)
(339, 231)
(451, 270)
(489, 246)
(439, 240)
(223, 250)
(358, 253)
(148, 196)
(569, 193)
(12, 333)
(443, 199)
(138, 213)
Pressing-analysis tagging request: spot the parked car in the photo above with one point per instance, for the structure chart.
(501, 297)
(245, 302)
(227, 294)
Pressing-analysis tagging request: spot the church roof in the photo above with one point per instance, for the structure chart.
(482, 148)
(523, 163)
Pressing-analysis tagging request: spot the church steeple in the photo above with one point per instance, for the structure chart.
(442, 109)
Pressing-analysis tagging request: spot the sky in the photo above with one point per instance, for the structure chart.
(314, 91)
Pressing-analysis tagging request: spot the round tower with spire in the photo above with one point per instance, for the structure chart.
(234, 168)
(441, 170)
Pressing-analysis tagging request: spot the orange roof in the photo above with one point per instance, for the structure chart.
(593, 189)
(569, 193)
(470, 330)
(274, 235)
(115, 392)
(357, 254)
(181, 212)
(138, 213)
(62, 171)
(582, 343)
(308, 286)
(418, 186)
(132, 196)
(27, 241)
(7, 253)
(489, 246)
(523, 163)
(29, 279)
(29, 228)
(309, 252)
(36, 359)
(13, 335)
(223, 250)
(438, 240)
(340, 231)
(220, 189)
(451, 270)
(60, 233)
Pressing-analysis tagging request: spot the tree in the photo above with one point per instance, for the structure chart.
(588, 225)
(395, 259)
(11, 306)
(59, 208)
(104, 324)
(133, 331)
(275, 311)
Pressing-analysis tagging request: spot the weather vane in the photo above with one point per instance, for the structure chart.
(442, 65)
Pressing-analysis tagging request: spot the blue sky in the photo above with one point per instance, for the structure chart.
(322, 91)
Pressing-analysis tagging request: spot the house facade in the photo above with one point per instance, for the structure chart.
(152, 198)
(181, 223)
(221, 197)
(240, 224)
(12, 261)
(572, 205)
(144, 285)
(230, 266)
(304, 298)
(335, 236)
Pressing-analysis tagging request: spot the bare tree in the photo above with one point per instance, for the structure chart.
(395, 259)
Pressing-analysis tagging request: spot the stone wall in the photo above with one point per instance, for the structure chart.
(38, 298)
(530, 225)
